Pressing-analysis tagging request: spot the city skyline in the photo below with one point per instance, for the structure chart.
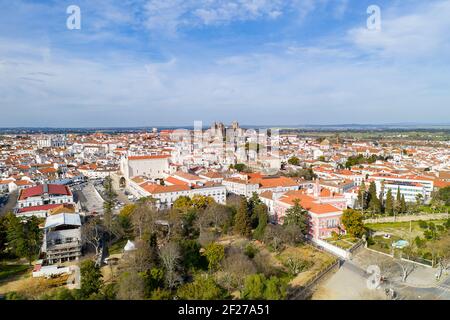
(169, 63)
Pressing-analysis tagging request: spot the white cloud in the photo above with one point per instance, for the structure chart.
(301, 86)
(424, 32)
(288, 83)
(171, 15)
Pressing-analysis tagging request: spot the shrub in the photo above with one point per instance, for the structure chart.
(214, 253)
(447, 224)
(420, 243)
(258, 287)
(370, 241)
(295, 266)
(423, 224)
(250, 251)
(335, 236)
(14, 296)
(202, 288)
(161, 294)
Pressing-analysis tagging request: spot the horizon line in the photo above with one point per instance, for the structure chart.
(286, 126)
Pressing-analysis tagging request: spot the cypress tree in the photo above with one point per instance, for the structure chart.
(261, 211)
(403, 207)
(242, 223)
(361, 199)
(389, 208)
(374, 202)
(398, 201)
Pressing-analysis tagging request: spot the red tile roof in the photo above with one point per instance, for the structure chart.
(274, 182)
(53, 189)
(186, 176)
(175, 181)
(156, 188)
(44, 207)
(308, 202)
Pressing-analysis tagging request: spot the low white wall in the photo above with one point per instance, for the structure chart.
(333, 249)
(51, 270)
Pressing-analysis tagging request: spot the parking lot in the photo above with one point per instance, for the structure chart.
(89, 198)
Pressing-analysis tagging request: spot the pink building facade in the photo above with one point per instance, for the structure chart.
(324, 207)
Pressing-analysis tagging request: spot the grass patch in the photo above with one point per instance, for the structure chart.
(402, 230)
(12, 270)
(429, 209)
(341, 244)
(314, 260)
(344, 242)
(382, 244)
(117, 247)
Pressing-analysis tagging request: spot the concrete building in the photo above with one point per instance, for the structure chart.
(150, 166)
(62, 238)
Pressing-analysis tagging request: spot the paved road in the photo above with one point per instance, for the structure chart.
(350, 282)
(440, 291)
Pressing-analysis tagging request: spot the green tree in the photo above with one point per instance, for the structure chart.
(240, 167)
(124, 218)
(161, 294)
(214, 253)
(362, 196)
(297, 216)
(403, 206)
(294, 161)
(13, 295)
(353, 223)
(389, 207)
(127, 210)
(191, 256)
(263, 218)
(202, 288)
(242, 223)
(252, 205)
(254, 287)
(398, 201)
(3, 234)
(153, 279)
(182, 203)
(275, 289)
(108, 204)
(24, 236)
(374, 202)
(443, 195)
(58, 294)
(91, 278)
(202, 202)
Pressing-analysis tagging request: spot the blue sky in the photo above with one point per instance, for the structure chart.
(170, 62)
